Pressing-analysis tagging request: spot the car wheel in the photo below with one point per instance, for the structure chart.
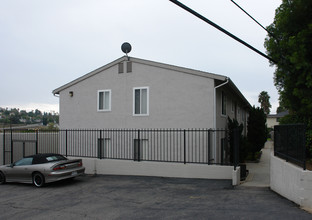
(38, 179)
(2, 178)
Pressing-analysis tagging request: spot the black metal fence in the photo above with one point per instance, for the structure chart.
(165, 145)
(290, 143)
(20, 143)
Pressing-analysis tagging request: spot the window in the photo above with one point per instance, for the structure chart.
(233, 106)
(141, 101)
(223, 103)
(104, 100)
(24, 162)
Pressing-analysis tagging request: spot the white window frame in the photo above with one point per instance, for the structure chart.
(147, 101)
(109, 102)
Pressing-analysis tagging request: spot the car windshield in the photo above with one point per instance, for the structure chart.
(24, 161)
(53, 158)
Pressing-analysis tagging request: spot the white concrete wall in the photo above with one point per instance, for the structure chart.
(161, 169)
(291, 181)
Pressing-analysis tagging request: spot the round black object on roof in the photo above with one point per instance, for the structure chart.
(126, 47)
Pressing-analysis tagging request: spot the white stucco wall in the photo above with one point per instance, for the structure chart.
(176, 100)
(239, 112)
(271, 122)
(291, 181)
(161, 169)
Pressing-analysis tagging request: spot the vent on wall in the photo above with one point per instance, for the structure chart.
(120, 67)
(129, 67)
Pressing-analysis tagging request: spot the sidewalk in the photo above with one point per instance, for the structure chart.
(259, 173)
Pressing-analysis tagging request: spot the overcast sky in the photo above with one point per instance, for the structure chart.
(46, 44)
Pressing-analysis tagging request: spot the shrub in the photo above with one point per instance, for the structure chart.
(257, 130)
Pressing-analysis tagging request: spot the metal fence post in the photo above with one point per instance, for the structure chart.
(304, 148)
(101, 142)
(184, 132)
(209, 147)
(3, 146)
(11, 145)
(236, 146)
(24, 146)
(36, 141)
(139, 145)
(66, 142)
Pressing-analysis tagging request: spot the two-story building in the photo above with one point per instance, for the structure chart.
(132, 93)
(137, 93)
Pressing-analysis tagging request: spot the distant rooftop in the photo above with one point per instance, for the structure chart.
(278, 115)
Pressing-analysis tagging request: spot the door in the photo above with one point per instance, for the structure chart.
(20, 171)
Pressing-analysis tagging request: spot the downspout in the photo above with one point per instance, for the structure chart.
(215, 118)
(215, 102)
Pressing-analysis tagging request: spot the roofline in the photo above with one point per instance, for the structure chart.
(141, 61)
(57, 91)
(238, 92)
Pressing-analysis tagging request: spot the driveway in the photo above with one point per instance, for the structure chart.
(126, 197)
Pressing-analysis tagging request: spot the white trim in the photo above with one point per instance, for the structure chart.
(147, 101)
(109, 103)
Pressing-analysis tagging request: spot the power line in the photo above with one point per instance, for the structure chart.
(270, 33)
(220, 29)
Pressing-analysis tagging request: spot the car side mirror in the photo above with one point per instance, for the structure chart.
(11, 165)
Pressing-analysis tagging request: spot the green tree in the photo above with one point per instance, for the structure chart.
(257, 130)
(290, 45)
(232, 124)
(38, 112)
(14, 118)
(264, 100)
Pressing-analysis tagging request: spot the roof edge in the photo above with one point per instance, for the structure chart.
(141, 61)
(239, 93)
(79, 79)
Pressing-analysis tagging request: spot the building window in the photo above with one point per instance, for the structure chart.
(141, 101)
(104, 100)
(223, 103)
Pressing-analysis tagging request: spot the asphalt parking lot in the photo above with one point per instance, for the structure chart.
(126, 197)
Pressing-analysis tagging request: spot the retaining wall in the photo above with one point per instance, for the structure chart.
(291, 181)
(160, 169)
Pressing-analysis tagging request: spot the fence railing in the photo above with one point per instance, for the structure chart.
(203, 146)
(290, 143)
